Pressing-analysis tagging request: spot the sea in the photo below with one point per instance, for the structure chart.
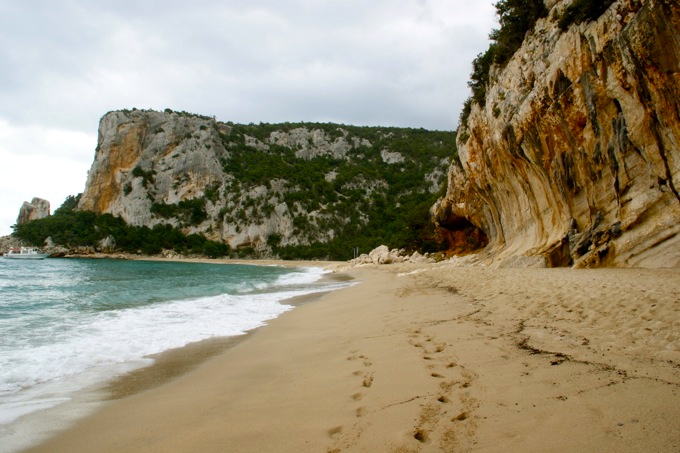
(67, 325)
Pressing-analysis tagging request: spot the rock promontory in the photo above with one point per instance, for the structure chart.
(264, 187)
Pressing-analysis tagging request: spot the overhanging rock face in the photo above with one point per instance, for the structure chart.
(575, 155)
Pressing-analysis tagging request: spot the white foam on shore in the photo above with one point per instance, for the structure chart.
(304, 276)
(117, 336)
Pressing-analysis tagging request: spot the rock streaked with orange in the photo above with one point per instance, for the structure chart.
(574, 156)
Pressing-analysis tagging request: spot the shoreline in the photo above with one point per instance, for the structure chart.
(429, 358)
(177, 362)
(205, 260)
(167, 365)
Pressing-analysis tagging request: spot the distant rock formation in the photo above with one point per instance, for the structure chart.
(36, 209)
(259, 186)
(575, 156)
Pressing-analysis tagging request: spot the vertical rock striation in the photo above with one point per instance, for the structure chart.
(575, 155)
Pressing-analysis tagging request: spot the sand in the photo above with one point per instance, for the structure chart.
(419, 358)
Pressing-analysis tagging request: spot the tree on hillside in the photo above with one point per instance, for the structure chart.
(516, 19)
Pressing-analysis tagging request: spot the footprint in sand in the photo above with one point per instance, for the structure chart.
(366, 362)
(420, 435)
(366, 382)
(335, 432)
(460, 417)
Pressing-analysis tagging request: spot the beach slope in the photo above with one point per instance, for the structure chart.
(429, 358)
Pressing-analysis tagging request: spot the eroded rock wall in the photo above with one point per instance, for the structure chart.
(574, 156)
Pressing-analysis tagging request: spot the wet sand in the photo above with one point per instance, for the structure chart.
(424, 358)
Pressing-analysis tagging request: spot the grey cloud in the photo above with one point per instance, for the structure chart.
(404, 62)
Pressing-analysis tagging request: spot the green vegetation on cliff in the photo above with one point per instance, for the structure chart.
(517, 18)
(292, 190)
(362, 187)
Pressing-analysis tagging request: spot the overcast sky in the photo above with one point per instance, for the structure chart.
(64, 63)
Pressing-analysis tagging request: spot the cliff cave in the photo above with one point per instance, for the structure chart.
(459, 236)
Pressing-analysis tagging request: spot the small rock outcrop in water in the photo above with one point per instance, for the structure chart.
(575, 155)
(36, 209)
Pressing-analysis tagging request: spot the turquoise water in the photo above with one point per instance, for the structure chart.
(69, 323)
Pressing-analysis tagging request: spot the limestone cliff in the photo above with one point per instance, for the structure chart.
(36, 209)
(260, 186)
(143, 157)
(574, 158)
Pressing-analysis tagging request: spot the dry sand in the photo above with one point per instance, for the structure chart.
(429, 358)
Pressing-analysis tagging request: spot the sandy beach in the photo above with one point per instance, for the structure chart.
(429, 357)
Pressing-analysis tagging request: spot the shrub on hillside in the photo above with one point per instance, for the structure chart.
(516, 18)
(583, 11)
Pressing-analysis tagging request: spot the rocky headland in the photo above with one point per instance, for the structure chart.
(262, 187)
